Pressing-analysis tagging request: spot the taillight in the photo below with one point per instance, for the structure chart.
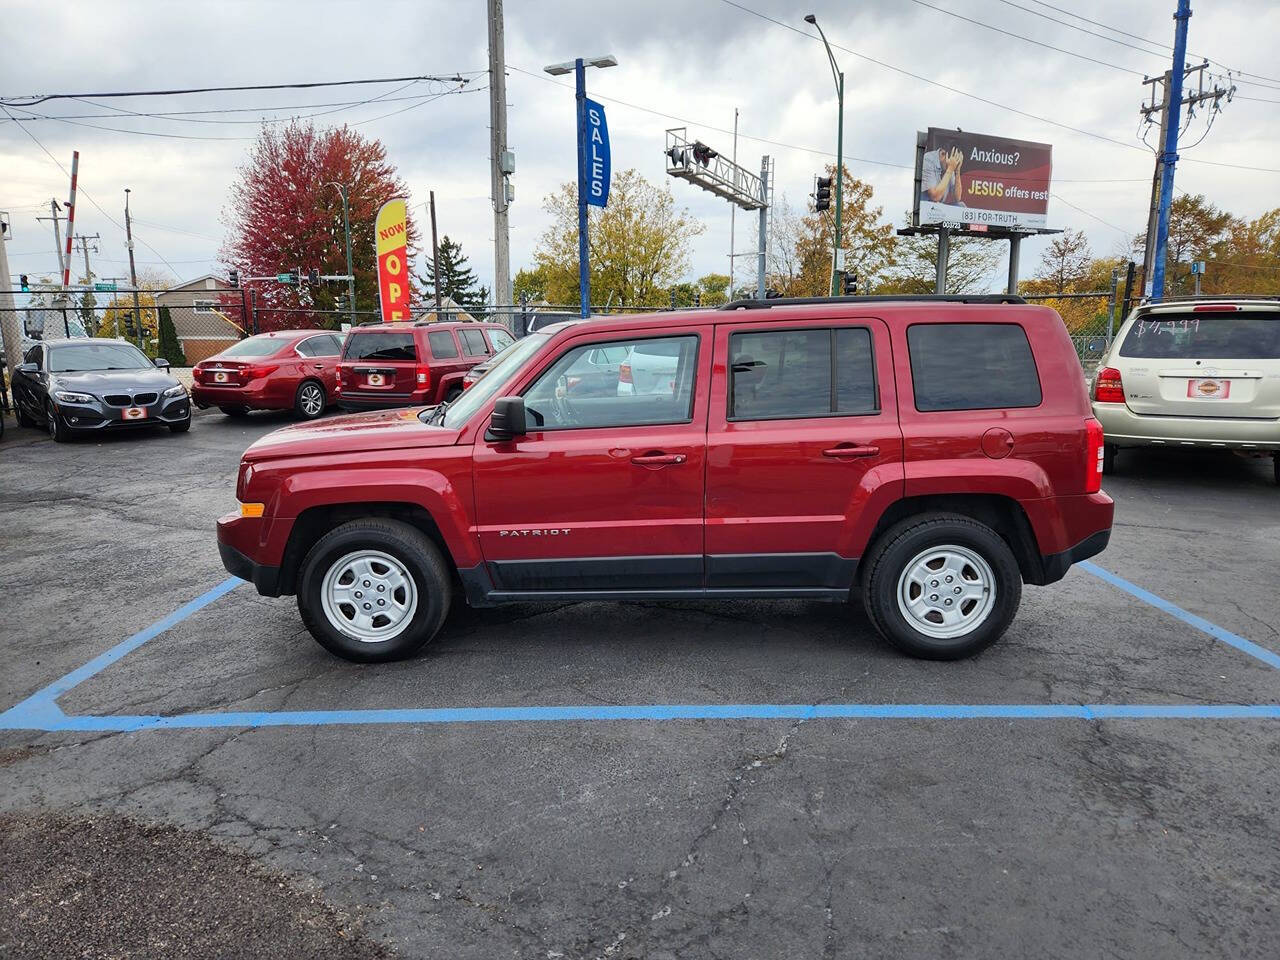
(1093, 462)
(197, 373)
(624, 373)
(424, 375)
(1107, 387)
(255, 370)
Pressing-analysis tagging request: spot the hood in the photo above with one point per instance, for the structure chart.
(353, 433)
(99, 382)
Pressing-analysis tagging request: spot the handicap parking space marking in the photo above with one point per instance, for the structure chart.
(40, 711)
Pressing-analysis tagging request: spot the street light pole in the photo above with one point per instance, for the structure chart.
(579, 69)
(838, 75)
(133, 273)
(346, 229)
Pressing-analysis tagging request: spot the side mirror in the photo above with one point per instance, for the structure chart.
(27, 368)
(508, 419)
(162, 363)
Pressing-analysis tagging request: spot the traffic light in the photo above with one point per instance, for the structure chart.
(233, 278)
(677, 156)
(849, 283)
(822, 195)
(697, 298)
(703, 154)
(313, 277)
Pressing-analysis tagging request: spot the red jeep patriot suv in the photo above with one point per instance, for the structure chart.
(930, 456)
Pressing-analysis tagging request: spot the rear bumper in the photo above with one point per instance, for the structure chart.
(348, 401)
(1124, 428)
(1056, 565)
(204, 396)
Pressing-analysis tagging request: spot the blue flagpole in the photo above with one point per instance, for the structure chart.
(584, 273)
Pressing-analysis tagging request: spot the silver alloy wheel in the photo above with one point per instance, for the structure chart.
(369, 596)
(312, 400)
(946, 591)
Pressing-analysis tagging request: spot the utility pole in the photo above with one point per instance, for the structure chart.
(10, 328)
(500, 160)
(733, 207)
(346, 231)
(54, 207)
(763, 239)
(64, 264)
(435, 257)
(1153, 212)
(133, 272)
(88, 301)
(71, 219)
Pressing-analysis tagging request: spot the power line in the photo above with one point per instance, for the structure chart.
(1105, 223)
(1072, 26)
(33, 99)
(1018, 36)
(993, 103)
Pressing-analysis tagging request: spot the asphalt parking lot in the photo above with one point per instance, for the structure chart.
(736, 780)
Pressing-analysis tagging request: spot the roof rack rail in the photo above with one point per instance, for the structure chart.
(905, 298)
(1212, 298)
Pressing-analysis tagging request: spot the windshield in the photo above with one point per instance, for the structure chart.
(70, 358)
(505, 364)
(1208, 336)
(254, 347)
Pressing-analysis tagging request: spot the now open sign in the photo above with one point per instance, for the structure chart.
(596, 155)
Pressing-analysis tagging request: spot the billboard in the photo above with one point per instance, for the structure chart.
(393, 267)
(970, 180)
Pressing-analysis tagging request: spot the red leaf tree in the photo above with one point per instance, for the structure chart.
(283, 213)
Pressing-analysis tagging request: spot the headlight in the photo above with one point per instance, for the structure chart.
(67, 396)
(176, 391)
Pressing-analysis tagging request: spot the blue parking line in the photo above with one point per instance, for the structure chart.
(1200, 623)
(662, 712)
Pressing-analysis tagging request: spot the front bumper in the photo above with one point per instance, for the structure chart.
(265, 579)
(1124, 428)
(98, 415)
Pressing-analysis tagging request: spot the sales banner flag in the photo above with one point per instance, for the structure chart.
(393, 267)
(596, 162)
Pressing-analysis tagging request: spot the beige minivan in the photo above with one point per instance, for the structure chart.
(1195, 373)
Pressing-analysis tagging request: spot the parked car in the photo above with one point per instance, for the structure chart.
(94, 385)
(412, 364)
(1193, 374)
(929, 457)
(282, 370)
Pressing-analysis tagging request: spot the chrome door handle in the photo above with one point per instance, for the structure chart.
(319, 366)
(659, 459)
(851, 452)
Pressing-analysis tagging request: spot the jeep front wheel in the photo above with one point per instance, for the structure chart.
(374, 590)
(941, 586)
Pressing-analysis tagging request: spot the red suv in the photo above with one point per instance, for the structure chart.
(271, 371)
(412, 364)
(930, 457)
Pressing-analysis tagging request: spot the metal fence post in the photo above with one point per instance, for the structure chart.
(253, 300)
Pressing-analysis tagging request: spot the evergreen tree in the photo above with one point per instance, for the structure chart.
(457, 279)
(170, 346)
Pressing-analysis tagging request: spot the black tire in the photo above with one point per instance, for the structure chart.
(21, 416)
(1109, 458)
(182, 426)
(309, 393)
(57, 428)
(900, 545)
(407, 545)
(235, 412)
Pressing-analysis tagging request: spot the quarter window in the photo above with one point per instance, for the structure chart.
(473, 343)
(442, 345)
(500, 339)
(972, 366)
(622, 383)
(797, 374)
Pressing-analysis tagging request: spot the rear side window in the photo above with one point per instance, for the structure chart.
(972, 366)
(1211, 336)
(442, 345)
(380, 346)
(794, 374)
(473, 343)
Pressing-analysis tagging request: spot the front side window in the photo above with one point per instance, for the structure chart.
(622, 383)
(972, 366)
(473, 343)
(381, 346)
(442, 345)
(798, 374)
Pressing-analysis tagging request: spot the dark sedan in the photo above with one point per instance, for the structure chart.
(92, 385)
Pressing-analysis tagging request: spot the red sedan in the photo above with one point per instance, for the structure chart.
(287, 369)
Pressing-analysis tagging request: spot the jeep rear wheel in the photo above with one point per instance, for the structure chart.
(941, 586)
(374, 590)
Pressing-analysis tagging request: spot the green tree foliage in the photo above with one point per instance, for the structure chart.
(971, 264)
(457, 279)
(170, 347)
(639, 245)
(1197, 231)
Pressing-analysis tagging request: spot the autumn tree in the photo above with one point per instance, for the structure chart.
(457, 279)
(1065, 262)
(639, 245)
(803, 245)
(284, 213)
(1197, 231)
(1250, 259)
(971, 262)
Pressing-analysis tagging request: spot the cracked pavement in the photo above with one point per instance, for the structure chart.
(622, 839)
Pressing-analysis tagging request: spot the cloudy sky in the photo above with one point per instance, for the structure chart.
(681, 63)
